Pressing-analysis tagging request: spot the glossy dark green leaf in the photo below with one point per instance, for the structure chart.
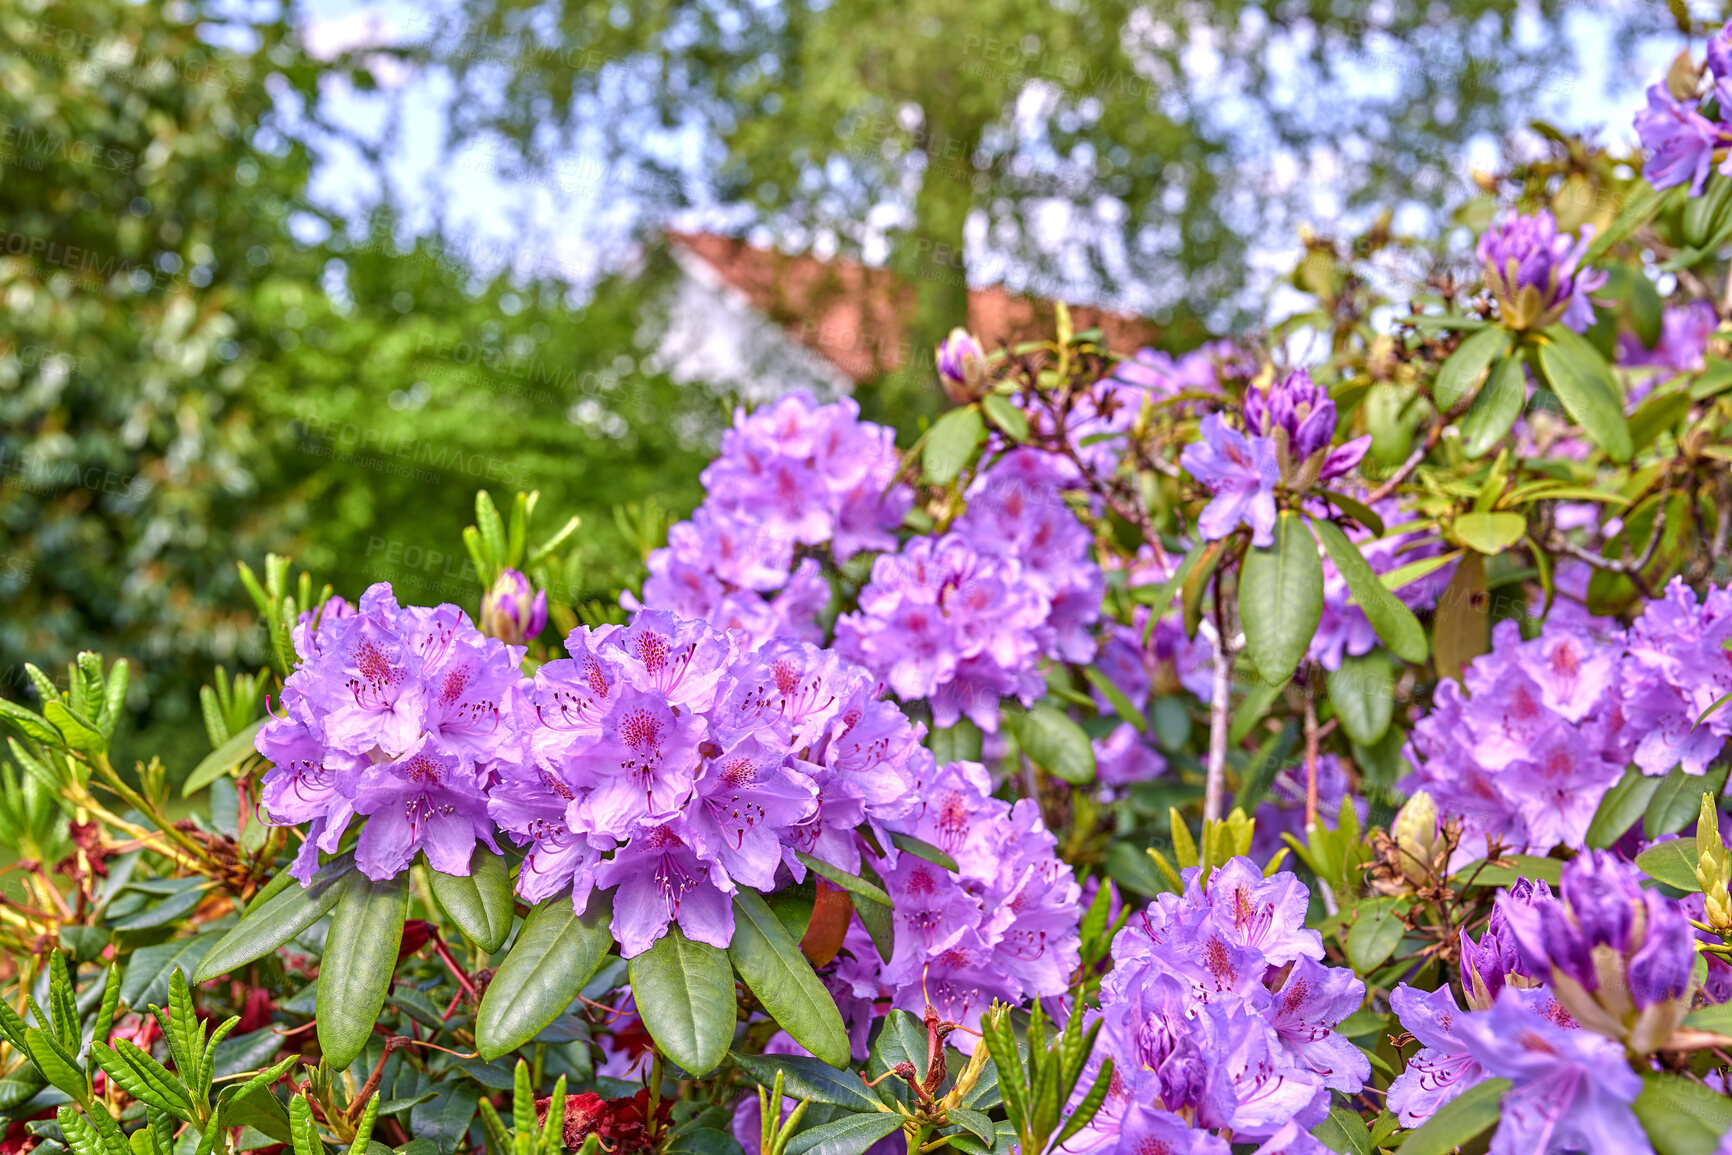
(1281, 598)
(769, 960)
(920, 848)
(1583, 382)
(151, 968)
(1388, 615)
(1362, 690)
(479, 902)
(1344, 1131)
(280, 918)
(1673, 863)
(703, 1141)
(685, 994)
(1678, 800)
(849, 882)
(445, 1117)
(360, 957)
(556, 953)
(1053, 742)
(1622, 806)
(1375, 934)
(804, 1077)
(1462, 370)
(849, 1135)
(1495, 408)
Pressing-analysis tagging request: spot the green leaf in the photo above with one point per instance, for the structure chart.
(151, 969)
(880, 923)
(479, 903)
(1375, 933)
(280, 918)
(1392, 620)
(770, 962)
(1681, 1116)
(1357, 510)
(685, 995)
(703, 1141)
(1006, 416)
(951, 444)
(1490, 533)
(1122, 706)
(1458, 1121)
(849, 882)
(143, 1078)
(556, 953)
(359, 959)
(1362, 691)
(1053, 742)
(1495, 408)
(1621, 807)
(1461, 631)
(1716, 1018)
(32, 725)
(445, 1118)
(1281, 598)
(56, 1065)
(1158, 598)
(1678, 800)
(849, 1135)
(977, 1124)
(920, 848)
(804, 1077)
(1643, 203)
(1484, 873)
(220, 761)
(1579, 376)
(1658, 413)
(1673, 863)
(1344, 1131)
(1460, 373)
(75, 731)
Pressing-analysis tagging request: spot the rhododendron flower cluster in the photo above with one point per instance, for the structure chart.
(1002, 926)
(964, 619)
(1559, 988)
(1220, 1011)
(1678, 667)
(1680, 138)
(699, 768)
(1527, 750)
(790, 476)
(402, 716)
(1534, 272)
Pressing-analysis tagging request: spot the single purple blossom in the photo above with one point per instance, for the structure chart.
(512, 610)
(1241, 472)
(1680, 141)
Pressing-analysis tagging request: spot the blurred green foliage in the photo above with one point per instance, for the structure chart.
(184, 383)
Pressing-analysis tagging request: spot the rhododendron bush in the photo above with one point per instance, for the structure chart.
(1312, 743)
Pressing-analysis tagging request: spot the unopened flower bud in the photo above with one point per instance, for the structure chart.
(1416, 836)
(962, 367)
(513, 611)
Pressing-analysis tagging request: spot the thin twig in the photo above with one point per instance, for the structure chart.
(1311, 740)
(1214, 791)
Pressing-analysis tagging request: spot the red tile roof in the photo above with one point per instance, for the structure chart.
(856, 316)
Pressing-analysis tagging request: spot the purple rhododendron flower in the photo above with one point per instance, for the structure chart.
(1220, 1009)
(1680, 141)
(1442, 1068)
(1682, 348)
(1298, 414)
(1572, 1088)
(1530, 748)
(1003, 925)
(1241, 472)
(1678, 667)
(791, 473)
(401, 716)
(1534, 273)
